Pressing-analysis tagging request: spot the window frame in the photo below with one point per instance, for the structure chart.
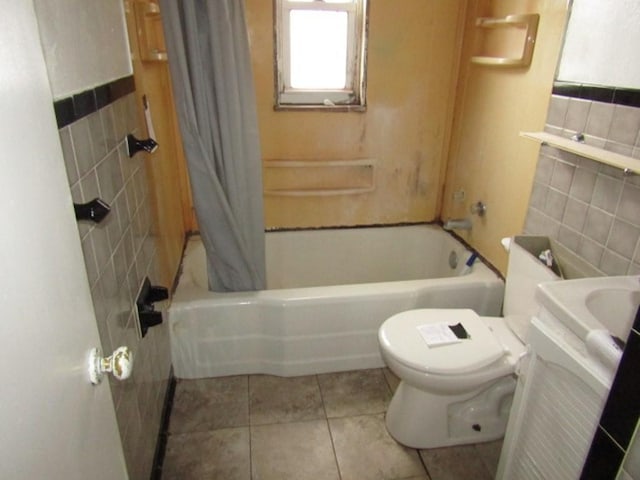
(352, 97)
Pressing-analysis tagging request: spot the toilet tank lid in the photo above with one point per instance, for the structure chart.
(400, 338)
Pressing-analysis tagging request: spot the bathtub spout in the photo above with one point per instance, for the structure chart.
(457, 224)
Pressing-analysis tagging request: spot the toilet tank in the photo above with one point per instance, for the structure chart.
(524, 272)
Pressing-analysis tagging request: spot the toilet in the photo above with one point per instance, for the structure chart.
(461, 392)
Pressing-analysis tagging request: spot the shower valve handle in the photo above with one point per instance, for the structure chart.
(479, 209)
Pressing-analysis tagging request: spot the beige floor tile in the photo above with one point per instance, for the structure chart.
(489, 452)
(293, 451)
(365, 451)
(354, 393)
(421, 477)
(208, 404)
(280, 400)
(219, 454)
(455, 463)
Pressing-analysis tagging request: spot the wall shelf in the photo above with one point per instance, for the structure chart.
(149, 30)
(628, 164)
(319, 178)
(527, 21)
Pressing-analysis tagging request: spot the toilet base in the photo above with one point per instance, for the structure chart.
(421, 419)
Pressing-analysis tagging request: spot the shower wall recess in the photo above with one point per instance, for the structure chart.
(119, 253)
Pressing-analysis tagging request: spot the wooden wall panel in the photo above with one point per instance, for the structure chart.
(166, 166)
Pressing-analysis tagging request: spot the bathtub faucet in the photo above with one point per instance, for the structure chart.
(457, 224)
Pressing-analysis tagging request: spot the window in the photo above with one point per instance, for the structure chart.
(320, 53)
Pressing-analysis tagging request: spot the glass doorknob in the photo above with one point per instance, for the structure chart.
(119, 364)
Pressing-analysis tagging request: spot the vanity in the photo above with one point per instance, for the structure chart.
(564, 380)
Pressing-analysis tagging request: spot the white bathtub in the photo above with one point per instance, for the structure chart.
(329, 292)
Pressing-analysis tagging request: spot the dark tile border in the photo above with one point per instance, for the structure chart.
(627, 96)
(620, 96)
(75, 107)
(64, 111)
(161, 444)
(604, 459)
(622, 410)
(619, 417)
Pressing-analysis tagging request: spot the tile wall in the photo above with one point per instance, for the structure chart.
(591, 208)
(594, 210)
(631, 467)
(613, 438)
(119, 253)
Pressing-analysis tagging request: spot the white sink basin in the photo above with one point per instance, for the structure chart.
(587, 304)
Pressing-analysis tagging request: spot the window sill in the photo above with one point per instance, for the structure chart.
(320, 108)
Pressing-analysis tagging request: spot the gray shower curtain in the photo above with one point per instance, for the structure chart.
(208, 50)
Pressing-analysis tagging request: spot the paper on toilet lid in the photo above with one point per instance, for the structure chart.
(437, 334)
(402, 339)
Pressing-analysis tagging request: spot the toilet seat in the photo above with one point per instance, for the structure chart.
(400, 338)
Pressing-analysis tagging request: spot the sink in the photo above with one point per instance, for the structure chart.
(614, 308)
(587, 304)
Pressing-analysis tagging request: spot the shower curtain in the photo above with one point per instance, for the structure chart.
(208, 51)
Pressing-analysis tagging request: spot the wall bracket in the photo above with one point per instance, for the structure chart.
(527, 21)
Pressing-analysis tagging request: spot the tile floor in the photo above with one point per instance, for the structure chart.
(329, 426)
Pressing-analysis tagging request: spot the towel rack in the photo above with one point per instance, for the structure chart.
(527, 21)
(628, 165)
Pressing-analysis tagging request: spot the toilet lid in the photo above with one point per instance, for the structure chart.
(400, 338)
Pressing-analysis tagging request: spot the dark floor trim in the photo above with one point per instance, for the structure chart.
(161, 444)
(350, 227)
(75, 107)
(466, 245)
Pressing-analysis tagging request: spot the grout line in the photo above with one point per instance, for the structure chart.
(634, 255)
(326, 419)
(392, 393)
(386, 380)
(613, 440)
(249, 426)
(424, 464)
(614, 215)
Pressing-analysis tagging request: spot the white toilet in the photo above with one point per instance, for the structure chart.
(461, 392)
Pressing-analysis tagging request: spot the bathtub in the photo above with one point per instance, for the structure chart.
(329, 292)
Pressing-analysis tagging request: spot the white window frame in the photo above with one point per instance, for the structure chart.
(352, 97)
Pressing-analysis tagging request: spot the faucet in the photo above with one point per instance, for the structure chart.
(457, 224)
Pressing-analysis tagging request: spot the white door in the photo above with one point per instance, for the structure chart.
(53, 423)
